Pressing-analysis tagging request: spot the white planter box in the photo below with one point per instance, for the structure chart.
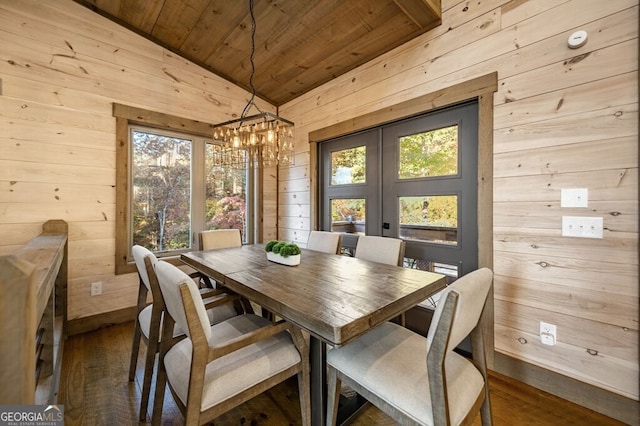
(289, 261)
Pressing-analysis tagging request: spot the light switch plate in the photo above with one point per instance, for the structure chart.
(582, 227)
(574, 197)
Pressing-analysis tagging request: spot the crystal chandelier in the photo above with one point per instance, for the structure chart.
(260, 140)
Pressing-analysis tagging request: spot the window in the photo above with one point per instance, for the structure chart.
(169, 188)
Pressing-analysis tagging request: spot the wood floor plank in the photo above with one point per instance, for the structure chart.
(95, 390)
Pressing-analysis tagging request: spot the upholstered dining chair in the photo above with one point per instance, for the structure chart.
(380, 249)
(214, 239)
(387, 365)
(149, 318)
(385, 250)
(219, 238)
(221, 366)
(325, 241)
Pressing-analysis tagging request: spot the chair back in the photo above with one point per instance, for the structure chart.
(324, 241)
(139, 253)
(219, 238)
(471, 292)
(171, 278)
(380, 249)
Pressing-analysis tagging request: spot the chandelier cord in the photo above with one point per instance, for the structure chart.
(251, 61)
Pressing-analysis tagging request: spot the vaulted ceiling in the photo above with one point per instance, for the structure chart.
(299, 44)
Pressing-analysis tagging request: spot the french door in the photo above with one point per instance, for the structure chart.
(414, 179)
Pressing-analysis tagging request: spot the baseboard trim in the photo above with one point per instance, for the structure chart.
(599, 400)
(94, 322)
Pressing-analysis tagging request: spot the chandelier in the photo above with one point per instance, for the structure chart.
(260, 140)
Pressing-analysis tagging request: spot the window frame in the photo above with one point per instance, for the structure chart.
(128, 117)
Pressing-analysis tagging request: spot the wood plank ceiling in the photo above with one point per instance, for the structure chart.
(300, 44)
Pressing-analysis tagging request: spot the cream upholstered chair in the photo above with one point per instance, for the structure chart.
(219, 238)
(149, 319)
(325, 241)
(385, 250)
(387, 365)
(380, 249)
(214, 239)
(221, 366)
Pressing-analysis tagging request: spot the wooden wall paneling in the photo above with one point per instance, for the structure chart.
(617, 245)
(92, 266)
(117, 293)
(581, 69)
(595, 305)
(40, 113)
(607, 338)
(612, 374)
(572, 100)
(571, 272)
(42, 152)
(295, 210)
(613, 184)
(52, 94)
(613, 122)
(57, 134)
(611, 30)
(11, 170)
(39, 212)
(22, 191)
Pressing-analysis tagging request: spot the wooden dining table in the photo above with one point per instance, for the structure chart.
(334, 298)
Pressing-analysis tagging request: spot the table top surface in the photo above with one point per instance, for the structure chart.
(335, 298)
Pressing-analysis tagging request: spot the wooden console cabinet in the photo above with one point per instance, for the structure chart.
(33, 317)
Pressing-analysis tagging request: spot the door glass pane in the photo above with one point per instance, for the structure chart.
(348, 215)
(348, 166)
(161, 204)
(427, 154)
(449, 271)
(431, 218)
(225, 194)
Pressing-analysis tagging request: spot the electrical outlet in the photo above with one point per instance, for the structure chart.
(96, 288)
(547, 333)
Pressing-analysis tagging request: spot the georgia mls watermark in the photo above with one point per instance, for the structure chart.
(31, 415)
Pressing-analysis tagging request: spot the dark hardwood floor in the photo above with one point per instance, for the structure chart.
(95, 390)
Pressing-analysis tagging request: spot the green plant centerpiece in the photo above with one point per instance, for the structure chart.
(283, 252)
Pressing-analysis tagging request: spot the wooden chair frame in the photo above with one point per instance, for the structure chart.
(152, 341)
(436, 376)
(203, 354)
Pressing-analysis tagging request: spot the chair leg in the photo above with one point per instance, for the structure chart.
(333, 395)
(246, 304)
(305, 396)
(148, 375)
(158, 402)
(485, 409)
(135, 347)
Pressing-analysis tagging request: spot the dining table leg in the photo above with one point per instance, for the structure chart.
(318, 360)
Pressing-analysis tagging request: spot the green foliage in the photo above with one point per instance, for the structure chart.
(433, 153)
(269, 246)
(351, 209)
(276, 248)
(162, 183)
(348, 166)
(437, 210)
(289, 250)
(282, 248)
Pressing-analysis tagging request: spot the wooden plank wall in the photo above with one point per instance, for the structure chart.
(563, 118)
(61, 68)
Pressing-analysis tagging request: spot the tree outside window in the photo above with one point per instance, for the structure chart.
(171, 199)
